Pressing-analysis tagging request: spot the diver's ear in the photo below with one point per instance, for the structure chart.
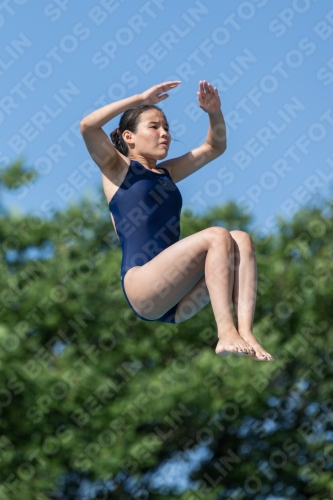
(128, 136)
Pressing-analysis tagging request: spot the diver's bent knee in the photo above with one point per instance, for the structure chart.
(219, 235)
(243, 240)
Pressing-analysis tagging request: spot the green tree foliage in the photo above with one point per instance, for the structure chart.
(91, 393)
(16, 175)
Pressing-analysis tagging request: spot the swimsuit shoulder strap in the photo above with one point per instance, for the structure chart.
(166, 171)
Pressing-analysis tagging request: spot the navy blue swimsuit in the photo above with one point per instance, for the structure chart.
(146, 211)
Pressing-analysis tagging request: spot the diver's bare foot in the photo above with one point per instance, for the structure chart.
(232, 343)
(260, 353)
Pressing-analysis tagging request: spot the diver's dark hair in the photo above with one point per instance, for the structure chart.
(129, 121)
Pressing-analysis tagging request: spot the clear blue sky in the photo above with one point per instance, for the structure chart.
(272, 62)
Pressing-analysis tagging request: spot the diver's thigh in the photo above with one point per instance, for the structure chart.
(195, 300)
(158, 285)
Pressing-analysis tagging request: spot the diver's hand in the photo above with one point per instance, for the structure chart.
(208, 97)
(155, 94)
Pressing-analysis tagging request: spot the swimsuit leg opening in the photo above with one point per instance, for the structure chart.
(128, 302)
(168, 317)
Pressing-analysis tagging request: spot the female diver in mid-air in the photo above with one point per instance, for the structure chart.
(169, 279)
